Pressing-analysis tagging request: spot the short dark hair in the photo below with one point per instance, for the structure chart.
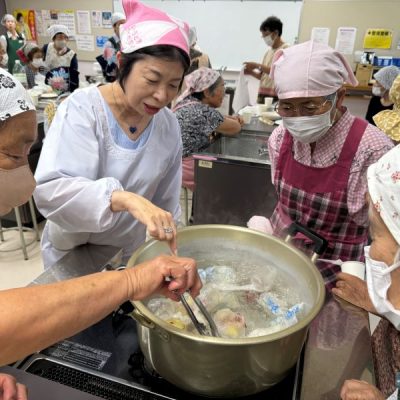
(33, 52)
(169, 53)
(19, 15)
(200, 95)
(272, 24)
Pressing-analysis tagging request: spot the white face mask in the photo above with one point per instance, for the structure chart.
(37, 62)
(60, 44)
(378, 91)
(378, 283)
(308, 129)
(268, 40)
(15, 195)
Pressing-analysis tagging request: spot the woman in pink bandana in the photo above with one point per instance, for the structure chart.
(110, 167)
(199, 119)
(320, 155)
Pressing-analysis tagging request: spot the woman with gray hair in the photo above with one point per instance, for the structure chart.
(54, 312)
(12, 40)
(380, 294)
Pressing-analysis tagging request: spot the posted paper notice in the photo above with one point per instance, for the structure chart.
(85, 42)
(320, 35)
(345, 40)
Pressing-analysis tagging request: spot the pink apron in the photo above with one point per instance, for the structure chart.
(317, 198)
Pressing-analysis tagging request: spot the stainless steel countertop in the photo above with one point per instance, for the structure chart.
(258, 127)
(81, 261)
(338, 346)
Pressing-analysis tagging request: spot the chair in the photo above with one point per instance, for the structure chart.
(22, 229)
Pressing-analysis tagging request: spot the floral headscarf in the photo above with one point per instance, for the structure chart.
(384, 189)
(199, 80)
(14, 99)
(388, 121)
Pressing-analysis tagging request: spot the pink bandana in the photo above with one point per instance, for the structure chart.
(384, 189)
(199, 80)
(146, 26)
(309, 69)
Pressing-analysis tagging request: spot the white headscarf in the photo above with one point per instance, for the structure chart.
(58, 28)
(14, 99)
(384, 189)
(116, 17)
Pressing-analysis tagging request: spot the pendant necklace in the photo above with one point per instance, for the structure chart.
(132, 129)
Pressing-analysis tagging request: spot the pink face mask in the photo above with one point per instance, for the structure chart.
(17, 186)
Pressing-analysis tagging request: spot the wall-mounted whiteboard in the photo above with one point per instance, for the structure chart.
(228, 31)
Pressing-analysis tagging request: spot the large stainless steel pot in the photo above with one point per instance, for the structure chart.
(220, 367)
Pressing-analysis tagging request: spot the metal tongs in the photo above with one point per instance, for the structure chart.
(201, 328)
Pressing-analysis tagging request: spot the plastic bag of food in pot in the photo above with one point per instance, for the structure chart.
(163, 307)
(219, 274)
(286, 316)
(230, 324)
(213, 298)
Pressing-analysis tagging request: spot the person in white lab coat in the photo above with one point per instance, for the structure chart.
(54, 312)
(111, 162)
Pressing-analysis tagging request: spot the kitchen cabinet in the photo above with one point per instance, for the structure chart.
(233, 181)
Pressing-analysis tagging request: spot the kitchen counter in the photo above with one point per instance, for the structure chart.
(337, 348)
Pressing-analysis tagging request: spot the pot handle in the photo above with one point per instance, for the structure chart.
(320, 244)
(139, 317)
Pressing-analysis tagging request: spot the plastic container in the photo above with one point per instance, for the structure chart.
(19, 73)
(396, 62)
(383, 61)
(356, 268)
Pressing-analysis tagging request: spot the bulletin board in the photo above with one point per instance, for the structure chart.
(228, 31)
(66, 9)
(361, 14)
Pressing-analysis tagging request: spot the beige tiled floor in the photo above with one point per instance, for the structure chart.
(15, 271)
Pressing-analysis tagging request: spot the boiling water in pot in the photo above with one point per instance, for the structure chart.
(244, 301)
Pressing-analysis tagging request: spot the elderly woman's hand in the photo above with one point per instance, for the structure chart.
(160, 223)
(166, 275)
(354, 290)
(250, 66)
(360, 390)
(10, 389)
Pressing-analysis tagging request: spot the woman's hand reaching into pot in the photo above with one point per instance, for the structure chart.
(354, 290)
(166, 275)
(160, 223)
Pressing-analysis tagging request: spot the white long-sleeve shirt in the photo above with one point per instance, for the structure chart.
(81, 165)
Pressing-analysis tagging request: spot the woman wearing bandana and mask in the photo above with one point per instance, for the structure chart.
(54, 312)
(389, 120)
(380, 99)
(61, 61)
(320, 154)
(32, 56)
(380, 294)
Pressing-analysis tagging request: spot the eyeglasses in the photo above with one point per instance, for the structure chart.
(307, 109)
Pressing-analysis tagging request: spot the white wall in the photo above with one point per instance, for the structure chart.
(228, 31)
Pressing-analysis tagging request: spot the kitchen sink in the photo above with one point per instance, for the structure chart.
(247, 147)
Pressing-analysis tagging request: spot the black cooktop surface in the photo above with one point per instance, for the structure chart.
(110, 349)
